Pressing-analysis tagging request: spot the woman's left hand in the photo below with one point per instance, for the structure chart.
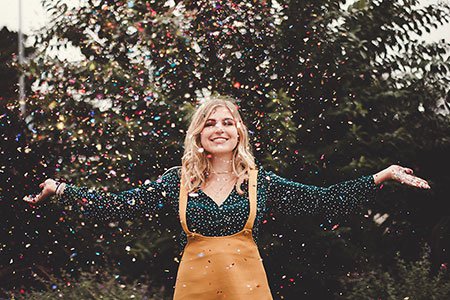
(402, 175)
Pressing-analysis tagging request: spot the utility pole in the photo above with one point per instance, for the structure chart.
(21, 61)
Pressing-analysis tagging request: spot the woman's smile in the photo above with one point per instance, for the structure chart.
(220, 140)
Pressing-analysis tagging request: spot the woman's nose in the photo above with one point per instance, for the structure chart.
(219, 127)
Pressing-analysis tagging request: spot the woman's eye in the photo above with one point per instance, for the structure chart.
(229, 123)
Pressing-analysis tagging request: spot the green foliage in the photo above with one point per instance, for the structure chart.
(328, 92)
(276, 130)
(351, 78)
(89, 286)
(363, 81)
(404, 280)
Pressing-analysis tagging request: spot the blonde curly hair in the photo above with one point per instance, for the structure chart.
(195, 163)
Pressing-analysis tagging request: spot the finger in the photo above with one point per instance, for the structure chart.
(420, 183)
(38, 198)
(410, 180)
(30, 199)
(42, 185)
(409, 171)
(424, 185)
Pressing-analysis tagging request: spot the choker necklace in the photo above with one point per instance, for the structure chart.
(223, 172)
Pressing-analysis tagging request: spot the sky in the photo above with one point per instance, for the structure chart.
(35, 17)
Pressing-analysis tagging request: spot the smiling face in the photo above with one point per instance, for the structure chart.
(219, 135)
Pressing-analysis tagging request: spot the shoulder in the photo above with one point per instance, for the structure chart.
(262, 171)
(171, 175)
(263, 174)
(173, 171)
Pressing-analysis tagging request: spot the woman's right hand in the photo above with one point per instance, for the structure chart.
(48, 189)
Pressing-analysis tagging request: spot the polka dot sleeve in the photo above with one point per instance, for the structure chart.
(143, 200)
(289, 197)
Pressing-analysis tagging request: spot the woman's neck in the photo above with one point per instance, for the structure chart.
(222, 163)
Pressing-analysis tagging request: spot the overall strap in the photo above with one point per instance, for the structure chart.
(182, 205)
(252, 188)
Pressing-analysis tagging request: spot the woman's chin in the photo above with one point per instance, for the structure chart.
(220, 151)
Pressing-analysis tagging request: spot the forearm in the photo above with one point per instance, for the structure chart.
(339, 199)
(107, 206)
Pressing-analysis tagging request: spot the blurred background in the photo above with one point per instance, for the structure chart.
(99, 93)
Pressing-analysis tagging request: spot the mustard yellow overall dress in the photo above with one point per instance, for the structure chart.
(221, 267)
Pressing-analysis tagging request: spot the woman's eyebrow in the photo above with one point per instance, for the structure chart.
(225, 119)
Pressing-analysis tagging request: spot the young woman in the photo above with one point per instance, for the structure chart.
(221, 197)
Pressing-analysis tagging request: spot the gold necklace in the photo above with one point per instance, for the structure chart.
(226, 181)
(223, 172)
(220, 178)
(215, 194)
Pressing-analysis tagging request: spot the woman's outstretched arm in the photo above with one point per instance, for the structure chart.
(289, 197)
(107, 206)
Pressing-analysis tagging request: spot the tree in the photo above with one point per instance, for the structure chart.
(328, 92)
(366, 90)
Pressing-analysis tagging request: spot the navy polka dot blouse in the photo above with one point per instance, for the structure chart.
(275, 194)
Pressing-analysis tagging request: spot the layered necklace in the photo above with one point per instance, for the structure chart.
(227, 181)
(227, 178)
